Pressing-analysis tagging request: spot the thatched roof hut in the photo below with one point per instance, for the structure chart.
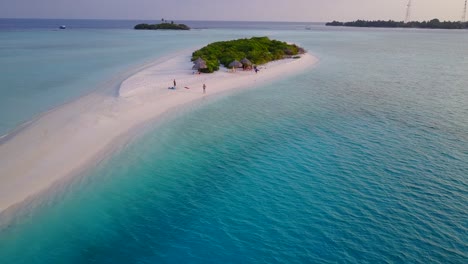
(235, 64)
(246, 62)
(199, 60)
(247, 65)
(199, 64)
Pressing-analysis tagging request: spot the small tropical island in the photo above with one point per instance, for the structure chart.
(431, 24)
(243, 53)
(163, 25)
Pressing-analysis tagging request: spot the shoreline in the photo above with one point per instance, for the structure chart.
(71, 138)
(110, 87)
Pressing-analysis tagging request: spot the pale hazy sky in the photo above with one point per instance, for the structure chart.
(240, 10)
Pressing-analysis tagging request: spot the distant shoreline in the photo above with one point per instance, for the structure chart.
(431, 24)
(163, 25)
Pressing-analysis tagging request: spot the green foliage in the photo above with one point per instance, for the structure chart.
(258, 50)
(335, 23)
(163, 26)
(434, 23)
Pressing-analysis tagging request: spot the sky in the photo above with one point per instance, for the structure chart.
(233, 10)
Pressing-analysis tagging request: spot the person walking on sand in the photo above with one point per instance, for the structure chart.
(174, 84)
(204, 88)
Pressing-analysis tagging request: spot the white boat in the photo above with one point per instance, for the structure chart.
(63, 27)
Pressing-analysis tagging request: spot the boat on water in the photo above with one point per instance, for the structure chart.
(63, 27)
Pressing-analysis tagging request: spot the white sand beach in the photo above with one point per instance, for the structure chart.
(75, 136)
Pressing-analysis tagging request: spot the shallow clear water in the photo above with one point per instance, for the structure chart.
(41, 69)
(362, 159)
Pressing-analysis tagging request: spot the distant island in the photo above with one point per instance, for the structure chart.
(163, 25)
(433, 24)
(243, 53)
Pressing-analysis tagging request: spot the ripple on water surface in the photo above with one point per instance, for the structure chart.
(358, 160)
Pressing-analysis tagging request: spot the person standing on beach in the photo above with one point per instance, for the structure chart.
(255, 68)
(204, 88)
(174, 84)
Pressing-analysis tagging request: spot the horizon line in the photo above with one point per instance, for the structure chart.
(214, 20)
(140, 19)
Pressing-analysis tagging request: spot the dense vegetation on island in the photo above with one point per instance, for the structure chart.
(163, 25)
(258, 50)
(434, 23)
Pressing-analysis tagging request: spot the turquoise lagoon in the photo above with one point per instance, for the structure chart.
(361, 159)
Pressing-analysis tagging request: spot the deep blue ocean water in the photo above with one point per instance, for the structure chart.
(361, 159)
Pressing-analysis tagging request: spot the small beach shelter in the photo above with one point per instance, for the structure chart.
(235, 64)
(199, 60)
(247, 65)
(199, 64)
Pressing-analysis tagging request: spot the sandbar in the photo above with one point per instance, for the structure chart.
(73, 136)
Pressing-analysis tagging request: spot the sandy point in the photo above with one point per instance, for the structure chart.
(72, 137)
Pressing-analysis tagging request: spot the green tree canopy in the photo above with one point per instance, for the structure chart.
(164, 25)
(434, 23)
(258, 50)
